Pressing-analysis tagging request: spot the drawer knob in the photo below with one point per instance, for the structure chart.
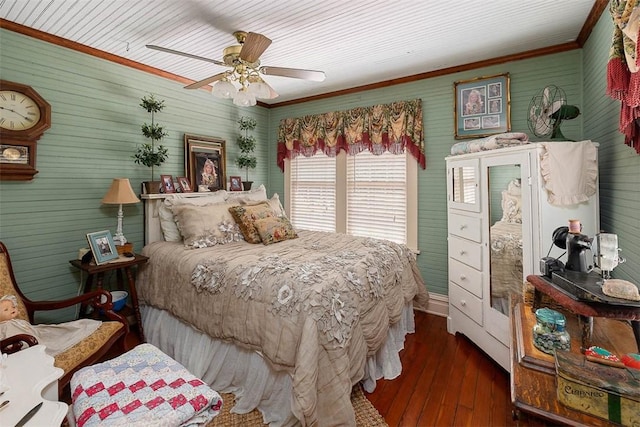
(463, 252)
(463, 277)
(463, 303)
(463, 226)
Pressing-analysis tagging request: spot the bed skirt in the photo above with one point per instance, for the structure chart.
(228, 368)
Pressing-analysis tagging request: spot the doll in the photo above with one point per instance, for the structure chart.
(8, 307)
(56, 338)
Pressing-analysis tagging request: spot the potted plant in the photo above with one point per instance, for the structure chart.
(247, 143)
(148, 154)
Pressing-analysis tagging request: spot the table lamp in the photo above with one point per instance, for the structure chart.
(120, 193)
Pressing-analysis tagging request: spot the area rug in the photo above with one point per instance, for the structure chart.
(366, 414)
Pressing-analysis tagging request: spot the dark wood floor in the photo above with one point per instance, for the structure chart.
(446, 381)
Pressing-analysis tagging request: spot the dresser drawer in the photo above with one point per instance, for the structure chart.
(467, 277)
(465, 251)
(465, 226)
(466, 302)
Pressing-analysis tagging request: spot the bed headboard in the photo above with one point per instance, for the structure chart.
(152, 230)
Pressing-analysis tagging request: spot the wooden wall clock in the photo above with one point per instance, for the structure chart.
(24, 116)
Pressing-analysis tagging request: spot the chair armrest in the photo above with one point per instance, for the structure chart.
(15, 343)
(89, 298)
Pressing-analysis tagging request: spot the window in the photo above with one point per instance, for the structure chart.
(363, 195)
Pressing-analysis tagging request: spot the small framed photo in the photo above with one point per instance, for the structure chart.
(482, 106)
(102, 246)
(235, 183)
(167, 184)
(184, 183)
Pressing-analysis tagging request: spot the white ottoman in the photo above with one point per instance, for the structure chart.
(142, 387)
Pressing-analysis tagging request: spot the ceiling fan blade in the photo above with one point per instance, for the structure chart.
(188, 55)
(206, 81)
(296, 73)
(254, 45)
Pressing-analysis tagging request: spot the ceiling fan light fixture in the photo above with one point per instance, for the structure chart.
(259, 89)
(223, 89)
(244, 98)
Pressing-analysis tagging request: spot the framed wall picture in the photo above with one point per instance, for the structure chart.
(102, 246)
(235, 183)
(167, 184)
(205, 162)
(184, 184)
(482, 106)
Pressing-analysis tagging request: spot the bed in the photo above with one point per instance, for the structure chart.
(506, 249)
(289, 324)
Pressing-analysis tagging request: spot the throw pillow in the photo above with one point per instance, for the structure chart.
(275, 229)
(204, 226)
(246, 215)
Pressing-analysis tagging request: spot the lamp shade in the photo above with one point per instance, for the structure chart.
(120, 193)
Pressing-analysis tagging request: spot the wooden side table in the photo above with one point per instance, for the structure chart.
(122, 268)
(586, 311)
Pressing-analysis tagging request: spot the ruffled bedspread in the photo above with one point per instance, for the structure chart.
(492, 142)
(506, 259)
(314, 307)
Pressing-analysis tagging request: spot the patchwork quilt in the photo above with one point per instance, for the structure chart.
(143, 387)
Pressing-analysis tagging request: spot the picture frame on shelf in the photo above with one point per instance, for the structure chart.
(184, 184)
(102, 246)
(205, 162)
(482, 106)
(235, 183)
(167, 184)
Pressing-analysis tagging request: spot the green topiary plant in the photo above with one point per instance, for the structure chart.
(247, 143)
(147, 154)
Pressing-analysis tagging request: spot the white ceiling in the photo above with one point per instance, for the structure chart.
(354, 42)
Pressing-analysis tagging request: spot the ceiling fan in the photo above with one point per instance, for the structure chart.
(244, 61)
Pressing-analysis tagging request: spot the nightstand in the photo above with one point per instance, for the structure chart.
(122, 269)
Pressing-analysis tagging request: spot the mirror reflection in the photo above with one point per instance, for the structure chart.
(464, 184)
(505, 234)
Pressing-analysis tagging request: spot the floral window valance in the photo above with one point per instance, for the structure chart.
(391, 127)
(623, 68)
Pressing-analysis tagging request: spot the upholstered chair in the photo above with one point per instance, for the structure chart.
(86, 352)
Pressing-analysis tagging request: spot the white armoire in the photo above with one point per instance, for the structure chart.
(500, 224)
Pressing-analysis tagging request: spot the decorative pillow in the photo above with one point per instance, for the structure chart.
(254, 195)
(514, 188)
(246, 215)
(511, 208)
(275, 229)
(204, 226)
(167, 221)
(275, 204)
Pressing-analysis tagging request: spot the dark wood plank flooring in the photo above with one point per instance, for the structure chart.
(446, 381)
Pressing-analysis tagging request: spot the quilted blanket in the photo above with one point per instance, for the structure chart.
(501, 140)
(143, 387)
(314, 307)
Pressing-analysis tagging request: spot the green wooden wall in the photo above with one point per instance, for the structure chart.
(96, 126)
(527, 79)
(96, 121)
(619, 163)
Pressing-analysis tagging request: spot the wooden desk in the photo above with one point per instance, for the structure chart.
(533, 378)
(586, 311)
(122, 268)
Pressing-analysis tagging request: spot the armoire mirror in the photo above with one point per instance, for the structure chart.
(464, 178)
(505, 234)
